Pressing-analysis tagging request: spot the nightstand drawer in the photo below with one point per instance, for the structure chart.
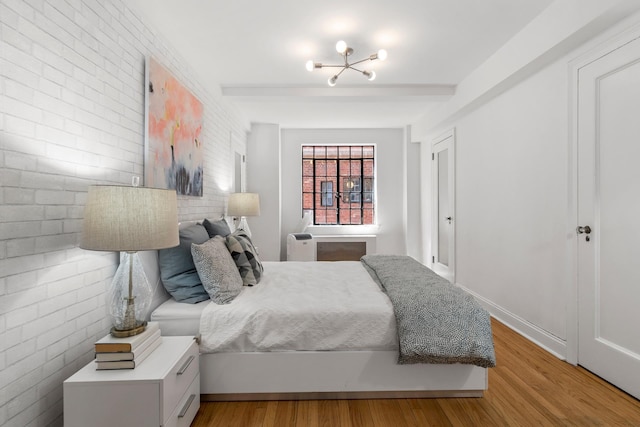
(181, 376)
(187, 408)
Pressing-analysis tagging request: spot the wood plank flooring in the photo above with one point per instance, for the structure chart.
(529, 387)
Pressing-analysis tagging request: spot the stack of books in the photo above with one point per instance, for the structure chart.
(127, 353)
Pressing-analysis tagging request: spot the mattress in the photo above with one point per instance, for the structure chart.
(176, 318)
(297, 306)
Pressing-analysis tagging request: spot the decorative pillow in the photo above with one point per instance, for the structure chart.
(217, 228)
(219, 274)
(177, 270)
(245, 256)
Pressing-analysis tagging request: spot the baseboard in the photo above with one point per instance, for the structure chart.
(411, 394)
(533, 333)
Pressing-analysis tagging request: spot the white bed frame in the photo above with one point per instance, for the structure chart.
(298, 375)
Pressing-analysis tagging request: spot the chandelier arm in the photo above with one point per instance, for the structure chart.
(358, 62)
(355, 69)
(341, 71)
(332, 66)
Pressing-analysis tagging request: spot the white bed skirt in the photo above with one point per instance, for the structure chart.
(332, 375)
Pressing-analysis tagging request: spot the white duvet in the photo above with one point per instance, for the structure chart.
(303, 306)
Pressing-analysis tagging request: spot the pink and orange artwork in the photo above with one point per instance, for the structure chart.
(174, 152)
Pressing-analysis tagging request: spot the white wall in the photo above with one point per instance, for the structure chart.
(414, 184)
(390, 174)
(514, 231)
(263, 177)
(71, 115)
(511, 199)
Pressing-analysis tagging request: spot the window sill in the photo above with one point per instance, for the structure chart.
(343, 229)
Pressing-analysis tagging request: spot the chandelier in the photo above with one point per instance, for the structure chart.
(346, 51)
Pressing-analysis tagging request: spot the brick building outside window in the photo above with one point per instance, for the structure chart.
(338, 183)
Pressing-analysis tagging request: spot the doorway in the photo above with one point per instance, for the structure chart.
(443, 181)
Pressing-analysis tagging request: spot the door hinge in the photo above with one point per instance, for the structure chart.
(433, 259)
(433, 156)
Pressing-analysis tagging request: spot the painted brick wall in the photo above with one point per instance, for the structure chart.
(71, 115)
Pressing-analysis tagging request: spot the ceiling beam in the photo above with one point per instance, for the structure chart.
(426, 90)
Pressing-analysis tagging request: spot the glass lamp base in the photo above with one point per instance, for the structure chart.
(129, 297)
(123, 333)
(244, 226)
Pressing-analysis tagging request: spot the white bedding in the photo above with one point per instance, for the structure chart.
(303, 306)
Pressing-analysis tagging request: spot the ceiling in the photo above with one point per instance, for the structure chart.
(253, 52)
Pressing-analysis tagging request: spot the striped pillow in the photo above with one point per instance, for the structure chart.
(245, 256)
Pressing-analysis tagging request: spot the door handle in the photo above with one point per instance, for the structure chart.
(586, 229)
(449, 219)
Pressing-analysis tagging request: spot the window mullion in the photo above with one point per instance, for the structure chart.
(340, 185)
(361, 189)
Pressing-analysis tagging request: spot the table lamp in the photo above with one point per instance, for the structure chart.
(129, 219)
(243, 205)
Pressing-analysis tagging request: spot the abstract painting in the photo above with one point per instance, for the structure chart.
(173, 140)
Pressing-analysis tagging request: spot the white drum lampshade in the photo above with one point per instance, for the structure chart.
(243, 205)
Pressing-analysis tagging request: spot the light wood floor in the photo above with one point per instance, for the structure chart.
(529, 387)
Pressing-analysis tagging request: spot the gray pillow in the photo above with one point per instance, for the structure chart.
(219, 274)
(245, 256)
(217, 228)
(177, 270)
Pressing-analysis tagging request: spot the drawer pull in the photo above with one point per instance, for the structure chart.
(186, 406)
(186, 365)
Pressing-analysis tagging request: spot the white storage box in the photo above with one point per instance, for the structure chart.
(301, 247)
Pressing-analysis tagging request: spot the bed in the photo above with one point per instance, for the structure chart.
(344, 347)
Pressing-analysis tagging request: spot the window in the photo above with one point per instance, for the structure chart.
(352, 189)
(338, 183)
(327, 193)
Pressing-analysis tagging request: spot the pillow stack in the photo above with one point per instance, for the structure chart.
(210, 262)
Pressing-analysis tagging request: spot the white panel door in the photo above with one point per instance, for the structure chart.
(609, 205)
(443, 241)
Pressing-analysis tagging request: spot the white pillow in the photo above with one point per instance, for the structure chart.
(217, 270)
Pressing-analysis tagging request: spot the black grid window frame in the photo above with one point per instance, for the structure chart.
(323, 167)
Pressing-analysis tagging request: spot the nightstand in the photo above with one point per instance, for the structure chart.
(163, 391)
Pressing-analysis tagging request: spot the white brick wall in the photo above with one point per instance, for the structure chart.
(71, 115)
